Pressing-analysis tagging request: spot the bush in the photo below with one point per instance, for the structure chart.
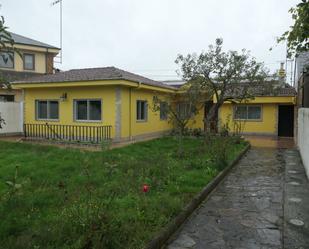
(189, 132)
(218, 147)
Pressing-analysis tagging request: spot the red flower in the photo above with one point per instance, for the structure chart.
(145, 188)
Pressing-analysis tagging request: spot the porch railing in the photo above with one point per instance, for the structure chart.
(74, 133)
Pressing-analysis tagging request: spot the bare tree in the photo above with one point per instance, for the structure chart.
(181, 108)
(220, 73)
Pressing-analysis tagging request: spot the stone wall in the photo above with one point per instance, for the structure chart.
(303, 136)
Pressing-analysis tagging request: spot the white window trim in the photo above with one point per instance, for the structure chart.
(48, 110)
(248, 120)
(146, 111)
(88, 111)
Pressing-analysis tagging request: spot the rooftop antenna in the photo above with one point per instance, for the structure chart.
(60, 54)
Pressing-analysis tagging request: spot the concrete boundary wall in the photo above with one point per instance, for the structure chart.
(12, 113)
(303, 136)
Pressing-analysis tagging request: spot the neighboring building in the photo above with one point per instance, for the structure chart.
(34, 58)
(302, 79)
(302, 86)
(119, 103)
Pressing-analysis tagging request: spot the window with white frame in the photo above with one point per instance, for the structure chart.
(47, 109)
(141, 110)
(248, 112)
(7, 59)
(88, 110)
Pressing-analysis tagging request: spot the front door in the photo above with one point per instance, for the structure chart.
(286, 121)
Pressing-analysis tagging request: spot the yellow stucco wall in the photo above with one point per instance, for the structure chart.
(267, 125)
(130, 127)
(107, 94)
(197, 121)
(125, 94)
(153, 124)
(66, 117)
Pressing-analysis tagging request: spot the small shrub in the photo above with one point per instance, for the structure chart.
(105, 145)
(218, 151)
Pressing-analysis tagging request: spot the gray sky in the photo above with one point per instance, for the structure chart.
(145, 36)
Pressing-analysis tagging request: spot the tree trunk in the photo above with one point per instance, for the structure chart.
(211, 120)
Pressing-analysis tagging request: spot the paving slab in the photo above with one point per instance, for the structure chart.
(254, 206)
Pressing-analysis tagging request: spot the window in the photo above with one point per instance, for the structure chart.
(7, 59)
(141, 110)
(47, 109)
(29, 61)
(7, 98)
(88, 110)
(163, 110)
(248, 112)
(183, 110)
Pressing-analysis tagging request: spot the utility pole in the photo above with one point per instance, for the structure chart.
(60, 29)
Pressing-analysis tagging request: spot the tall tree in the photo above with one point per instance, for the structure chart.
(220, 74)
(6, 44)
(297, 37)
(6, 40)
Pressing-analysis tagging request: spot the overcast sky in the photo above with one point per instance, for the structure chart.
(145, 36)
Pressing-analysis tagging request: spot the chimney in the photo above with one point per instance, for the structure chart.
(281, 74)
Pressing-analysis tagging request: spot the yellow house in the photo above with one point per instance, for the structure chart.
(108, 97)
(112, 103)
(264, 115)
(34, 58)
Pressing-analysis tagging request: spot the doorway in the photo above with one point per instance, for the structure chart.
(285, 120)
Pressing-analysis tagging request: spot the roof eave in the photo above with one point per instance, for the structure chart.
(28, 84)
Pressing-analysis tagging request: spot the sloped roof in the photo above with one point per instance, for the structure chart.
(175, 83)
(19, 39)
(91, 74)
(10, 76)
(267, 89)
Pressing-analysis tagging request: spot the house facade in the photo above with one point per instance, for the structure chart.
(263, 115)
(32, 59)
(113, 98)
(120, 103)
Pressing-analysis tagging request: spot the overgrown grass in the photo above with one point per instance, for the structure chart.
(65, 198)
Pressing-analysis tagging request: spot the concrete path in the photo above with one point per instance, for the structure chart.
(263, 203)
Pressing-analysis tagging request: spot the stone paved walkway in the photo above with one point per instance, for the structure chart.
(263, 203)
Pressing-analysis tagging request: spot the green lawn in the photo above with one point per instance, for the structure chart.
(74, 199)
